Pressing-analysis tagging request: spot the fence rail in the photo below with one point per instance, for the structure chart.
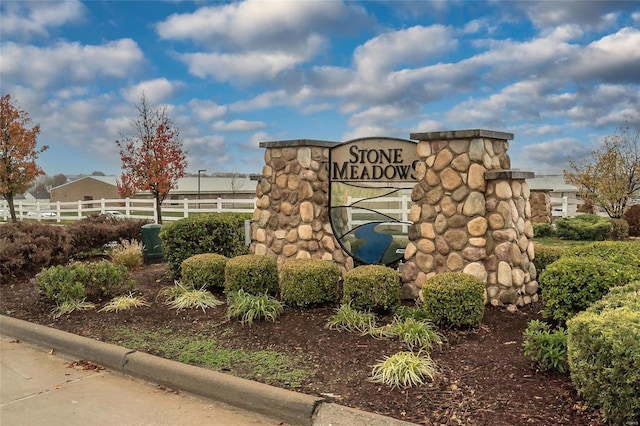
(128, 207)
(563, 207)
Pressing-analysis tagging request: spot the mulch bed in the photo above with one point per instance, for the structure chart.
(485, 379)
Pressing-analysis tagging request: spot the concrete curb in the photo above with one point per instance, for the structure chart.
(283, 405)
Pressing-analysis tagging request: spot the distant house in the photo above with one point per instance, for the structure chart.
(546, 200)
(97, 187)
(556, 186)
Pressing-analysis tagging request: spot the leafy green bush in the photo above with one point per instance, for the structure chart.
(623, 252)
(586, 227)
(204, 270)
(27, 247)
(453, 299)
(545, 255)
(543, 230)
(632, 216)
(404, 369)
(77, 281)
(571, 284)
(249, 307)
(348, 319)
(372, 287)
(603, 347)
(547, 348)
(619, 230)
(221, 233)
(625, 295)
(406, 312)
(304, 282)
(252, 273)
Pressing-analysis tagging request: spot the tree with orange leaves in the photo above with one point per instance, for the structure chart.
(153, 158)
(18, 153)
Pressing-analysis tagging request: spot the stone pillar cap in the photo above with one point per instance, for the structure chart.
(298, 142)
(508, 174)
(461, 134)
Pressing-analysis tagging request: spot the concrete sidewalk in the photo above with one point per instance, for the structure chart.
(38, 388)
(32, 382)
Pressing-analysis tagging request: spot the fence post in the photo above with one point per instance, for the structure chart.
(102, 205)
(185, 203)
(58, 212)
(127, 207)
(565, 206)
(155, 210)
(79, 210)
(219, 205)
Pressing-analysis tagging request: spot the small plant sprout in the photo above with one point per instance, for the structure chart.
(348, 319)
(124, 303)
(404, 369)
(249, 307)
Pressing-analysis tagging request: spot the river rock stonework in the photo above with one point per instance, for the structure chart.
(471, 214)
(291, 219)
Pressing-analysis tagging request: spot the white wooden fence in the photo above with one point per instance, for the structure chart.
(127, 207)
(563, 207)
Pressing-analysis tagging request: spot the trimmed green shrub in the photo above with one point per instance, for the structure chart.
(545, 255)
(252, 273)
(543, 230)
(453, 299)
(623, 252)
(571, 284)
(371, 288)
(632, 216)
(547, 348)
(221, 233)
(619, 230)
(604, 359)
(586, 227)
(625, 295)
(27, 247)
(79, 281)
(305, 282)
(204, 270)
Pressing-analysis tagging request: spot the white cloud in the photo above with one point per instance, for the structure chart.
(28, 19)
(593, 14)
(156, 91)
(427, 125)
(68, 63)
(381, 113)
(207, 110)
(555, 154)
(238, 126)
(256, 138)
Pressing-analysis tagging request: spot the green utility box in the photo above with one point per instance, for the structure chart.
(151, 243)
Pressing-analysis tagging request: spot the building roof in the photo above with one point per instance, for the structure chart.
(189, 185)
(554, 183)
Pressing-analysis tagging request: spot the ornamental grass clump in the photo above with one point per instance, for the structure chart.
(417, 335)
(70, 305)
(124, 303)
(404, 370)
(127, 253)
(182, 296)
(349, 319)
(249, 307)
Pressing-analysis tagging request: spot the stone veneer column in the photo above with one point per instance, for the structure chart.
(541, 206)
(456, 215)
(291, 220)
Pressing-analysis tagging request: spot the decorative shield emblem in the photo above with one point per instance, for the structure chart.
(370, 184)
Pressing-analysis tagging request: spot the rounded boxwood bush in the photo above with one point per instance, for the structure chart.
(453, 299)
(255, 274)
(371, 287)
(571, 284)
(603, 350)
(305, 282)
(545, 255)
(204, 270)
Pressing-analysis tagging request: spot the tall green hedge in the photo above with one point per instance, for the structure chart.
(603, 347)
(623, 252)
(221, 233)
(586, 227)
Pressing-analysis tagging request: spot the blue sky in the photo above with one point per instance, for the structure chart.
(560, 75)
